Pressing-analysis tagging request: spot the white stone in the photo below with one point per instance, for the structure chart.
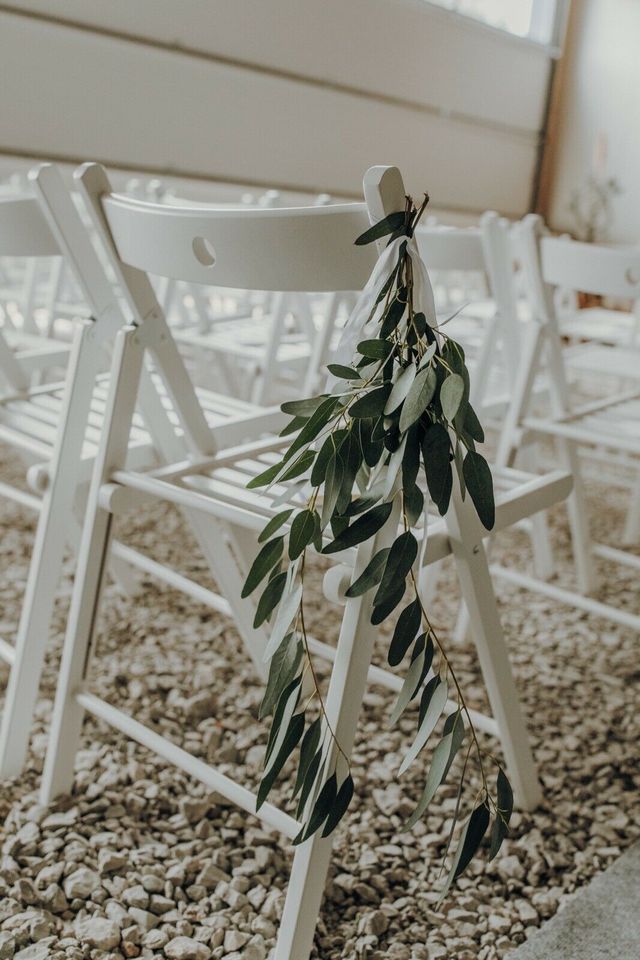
(81, 883)
(7, 945)
(36, 951)
(185, 948)
(235, 940)
(98, 932)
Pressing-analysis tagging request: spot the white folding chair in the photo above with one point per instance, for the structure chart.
(58, 427)
(301, 249)
(611, 423)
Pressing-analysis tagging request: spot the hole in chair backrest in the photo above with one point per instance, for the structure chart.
(203, 251)
(632, 276)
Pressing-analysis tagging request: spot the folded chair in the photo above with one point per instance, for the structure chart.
(610, 423)
(301, 249)
(57, 427)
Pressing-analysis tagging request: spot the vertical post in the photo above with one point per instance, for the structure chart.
(66, 723)
(465, 534)
(344, 702)
(52, 535)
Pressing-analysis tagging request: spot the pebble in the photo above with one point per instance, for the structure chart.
(98, 932)
(81, 884)
(7, 945)
(185, 948)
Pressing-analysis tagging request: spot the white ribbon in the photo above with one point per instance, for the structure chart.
(359, 327)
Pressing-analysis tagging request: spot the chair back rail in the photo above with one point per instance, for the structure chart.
(608, 271)
(302, 248)
(24, 231)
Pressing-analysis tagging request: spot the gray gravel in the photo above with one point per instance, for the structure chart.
(142, 862)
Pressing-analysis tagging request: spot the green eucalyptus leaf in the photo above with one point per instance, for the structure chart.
(372, 442)
(361, 529)
(371, 575)
(329, 448)
(401, 558)
(432, 714)
(480, 486)
(287, 612)
(500, 828)
(302, 532)
(266, 477)
(443, 756)
(340, 805)
(308, 750)
(295, 424)
(390, 223)
(322, 808)
(411, 458)
(332, 486)
(420, 663)
(459, 464)
(393, 315)
(289, 743)
(419, 397)
(342, 372)
(371, 404)
(400, 389)
(270, 599)
(310, 777)
(468, 844)
(380, 613)
(263, 563)
(413, 504)
(405, 632)
(436, 450)
(285, 708)
(472, 425)
(300, 465)
(451, 395)
(351, 453)
(284, 666)
(274, 524)
(435, 777)
(428, 355)
(314, 425)
(303, 408)
(425, 699)
(376, 349)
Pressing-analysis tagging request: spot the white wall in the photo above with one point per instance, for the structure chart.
(293, 93)
(601, 97)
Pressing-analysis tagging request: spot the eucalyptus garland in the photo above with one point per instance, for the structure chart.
(397, 424)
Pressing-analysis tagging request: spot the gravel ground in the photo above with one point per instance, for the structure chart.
(140, 861)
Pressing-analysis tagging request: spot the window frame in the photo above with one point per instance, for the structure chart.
(546, 32)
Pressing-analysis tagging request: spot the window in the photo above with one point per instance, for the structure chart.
(534, 19)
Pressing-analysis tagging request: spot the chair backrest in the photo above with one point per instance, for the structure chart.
(608, 271)
(528, 235)
(559, 262)
(296, 249)
(452, 248)
(24, 231)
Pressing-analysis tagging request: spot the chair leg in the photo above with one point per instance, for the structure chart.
(579, 522)
(477, 592)
(543, 559)
(344, 701)
(631, 534)
(66, 724)
(54, 531)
